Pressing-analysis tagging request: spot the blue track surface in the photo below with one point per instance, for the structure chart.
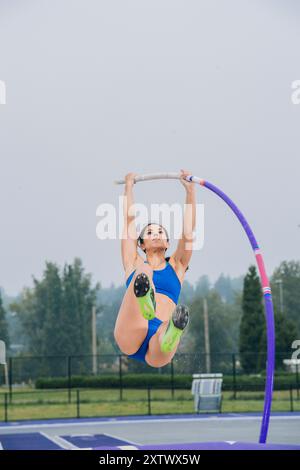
(114, 433)
(28, 441)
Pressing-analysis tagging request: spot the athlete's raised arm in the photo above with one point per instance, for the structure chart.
(184, 248)
(129, 235)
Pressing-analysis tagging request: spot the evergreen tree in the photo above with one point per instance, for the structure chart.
(285, 334)
(252, 322)
(56, 316)
(79, 299)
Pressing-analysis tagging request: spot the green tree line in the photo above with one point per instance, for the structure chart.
(53, 318)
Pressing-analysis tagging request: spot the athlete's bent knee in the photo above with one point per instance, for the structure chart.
(122, 343)
(158, 363)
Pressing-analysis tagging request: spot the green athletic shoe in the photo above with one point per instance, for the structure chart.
(145, 296)
(176, 326)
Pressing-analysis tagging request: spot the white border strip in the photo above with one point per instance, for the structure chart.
(123, 439)
(145, 421)
(60, 441)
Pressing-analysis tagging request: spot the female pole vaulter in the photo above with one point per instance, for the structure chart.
(150, 322)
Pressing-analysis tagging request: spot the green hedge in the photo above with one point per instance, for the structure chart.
(243, 382)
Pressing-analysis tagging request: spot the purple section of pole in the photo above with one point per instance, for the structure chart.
(264, 280)
(269, 314)
(237, 212)
(270, 367)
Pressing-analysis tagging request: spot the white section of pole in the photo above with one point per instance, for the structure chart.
(161, 176)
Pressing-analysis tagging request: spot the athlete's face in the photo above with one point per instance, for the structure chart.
(155, 237)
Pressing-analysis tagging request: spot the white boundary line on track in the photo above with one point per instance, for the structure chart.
(143, 421)
(60, 441)
(123, 439)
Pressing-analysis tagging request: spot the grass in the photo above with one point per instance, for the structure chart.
(44, 404)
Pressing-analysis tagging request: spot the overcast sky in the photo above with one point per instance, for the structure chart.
(96, 89)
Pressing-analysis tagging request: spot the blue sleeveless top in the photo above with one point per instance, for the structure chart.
(165, 281)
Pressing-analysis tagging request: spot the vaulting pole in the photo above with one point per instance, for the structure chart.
(269, 313)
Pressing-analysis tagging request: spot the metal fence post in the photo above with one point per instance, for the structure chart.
(78, 403)
(172, 379)
(69, 371)
(291, 398)
(120, 377)
(297, 379)
(149, 401)
(10, 377)
(5, 407)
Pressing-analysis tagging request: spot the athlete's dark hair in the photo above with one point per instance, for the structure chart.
(140, 239)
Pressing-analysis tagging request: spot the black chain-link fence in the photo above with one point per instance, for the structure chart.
(113, 385)
(27, 370)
